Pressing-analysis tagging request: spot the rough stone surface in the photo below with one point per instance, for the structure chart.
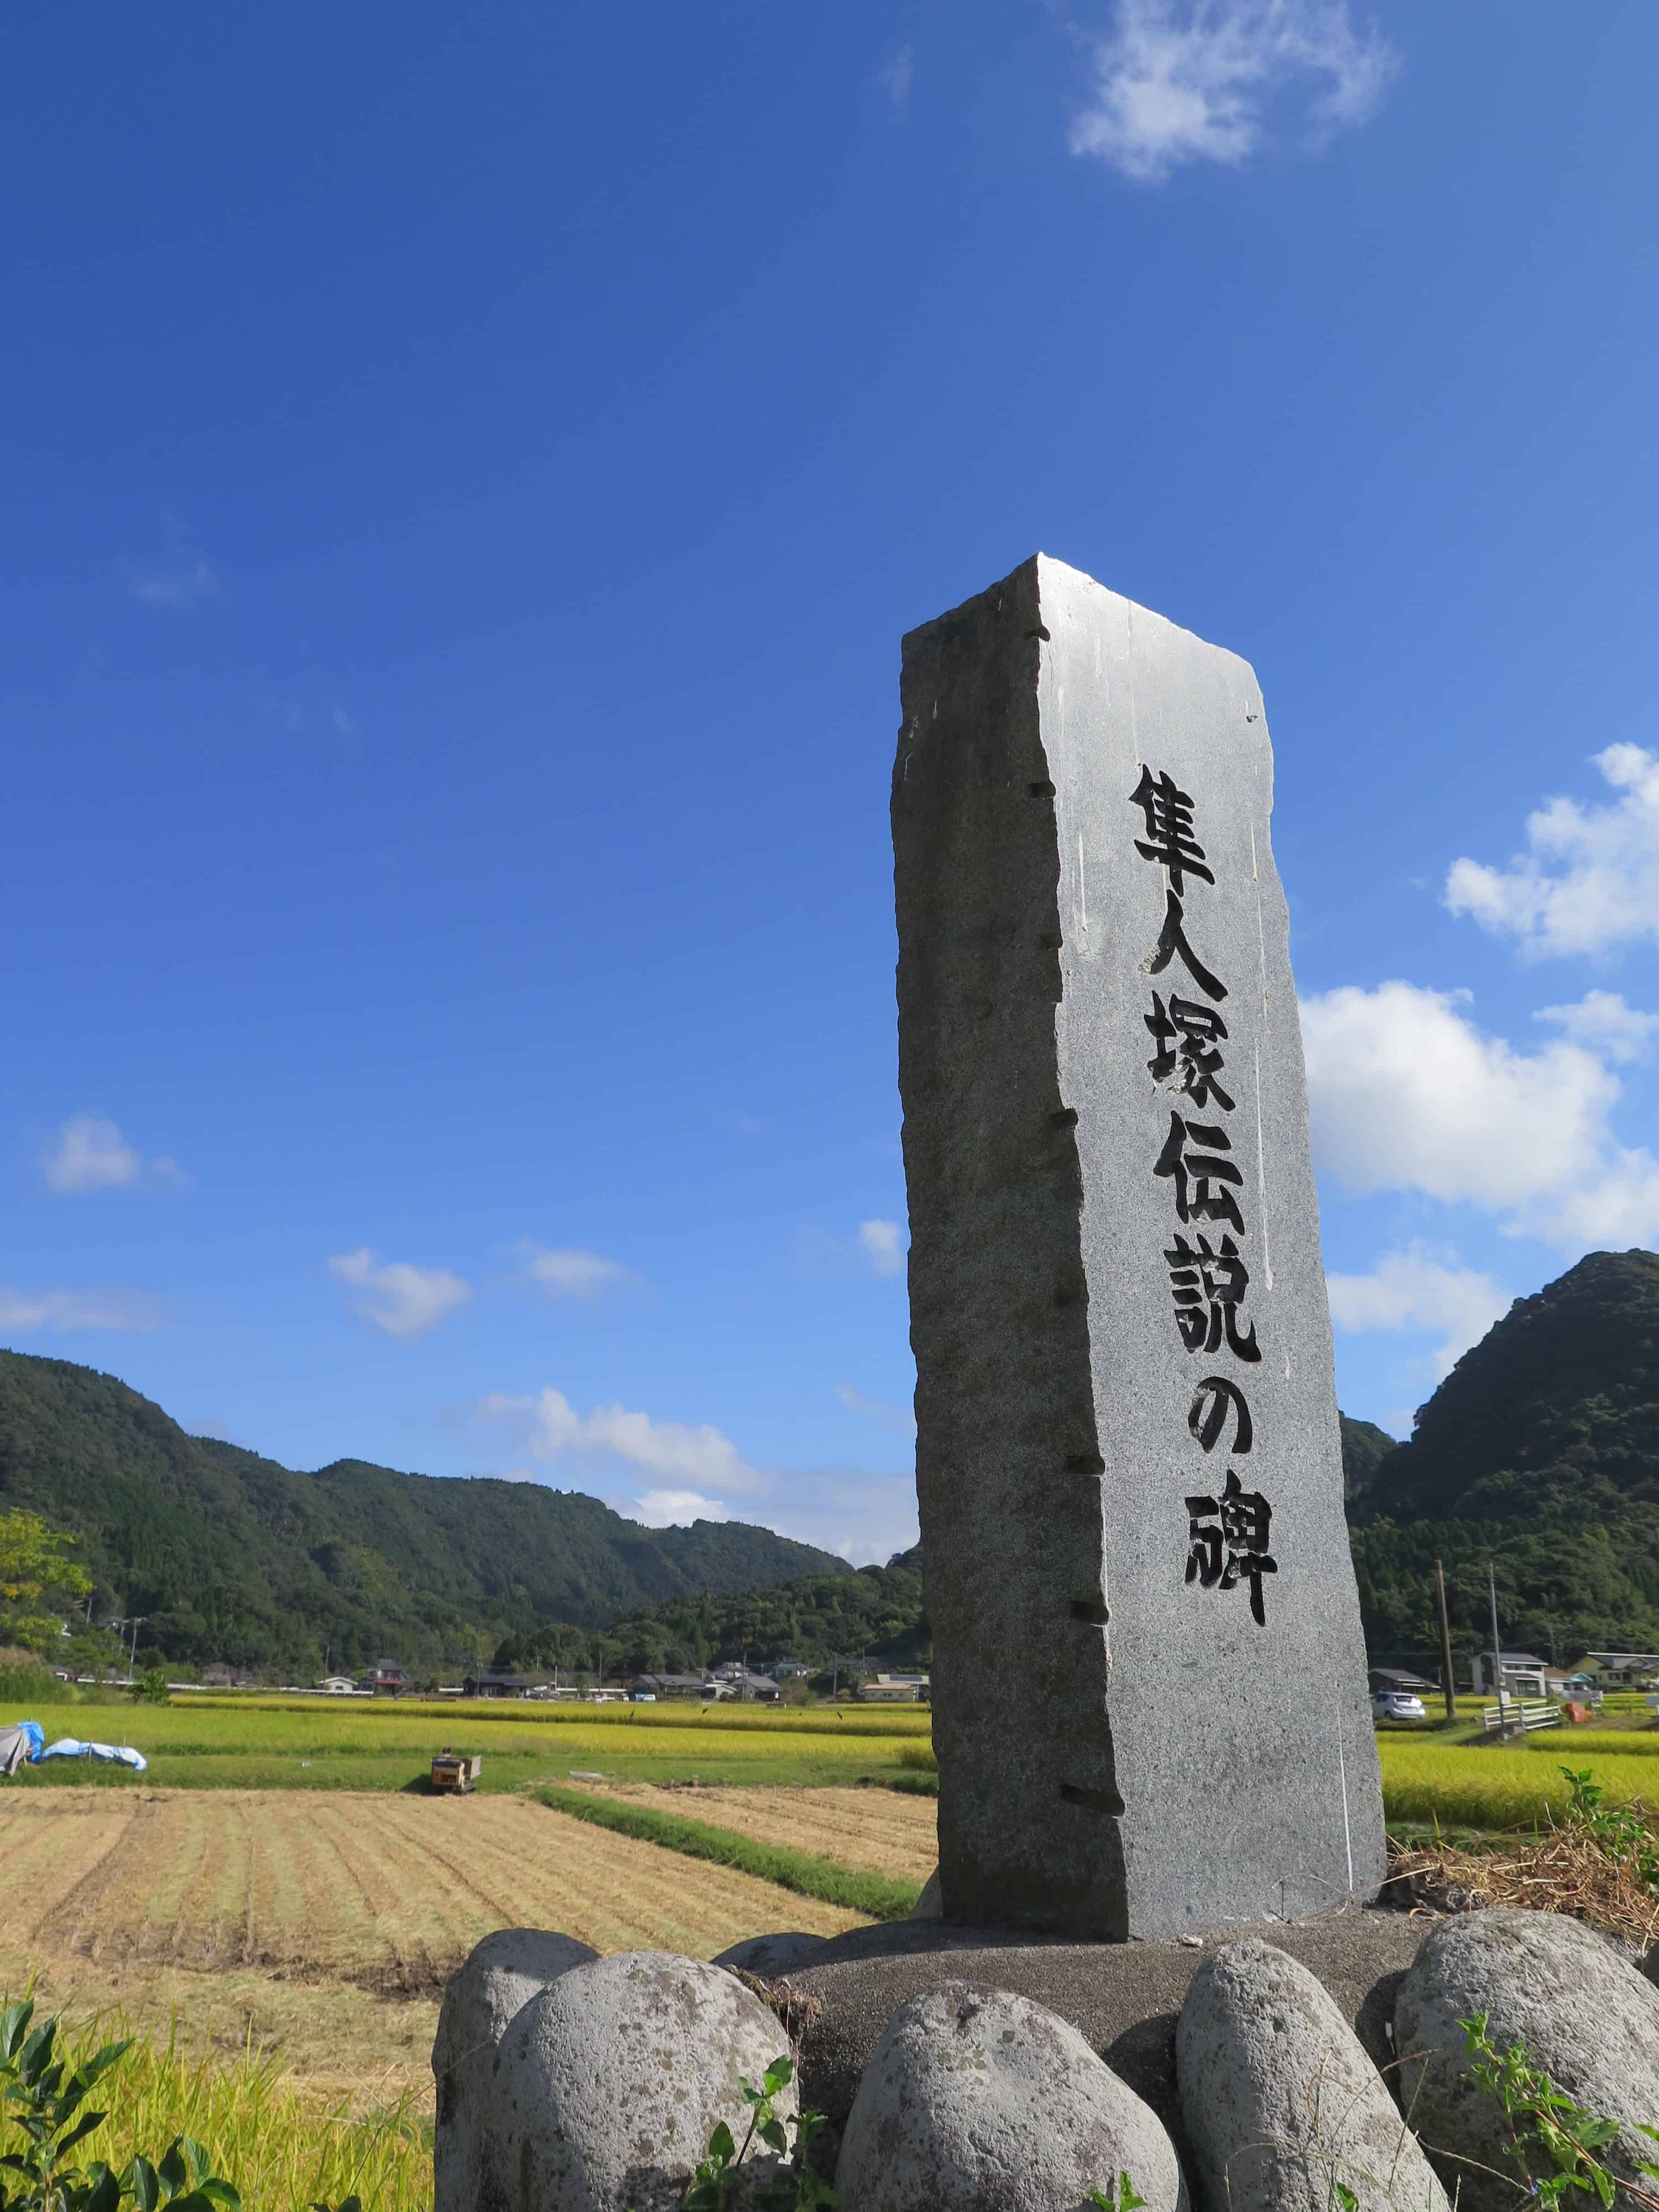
(977, 2101)
(609, 2084)
(1122, 1997)
(1103, 1725)
(768, 1956)
(930, 1905)
(1588, 2018)
(500, 1976)
(1280, 2100)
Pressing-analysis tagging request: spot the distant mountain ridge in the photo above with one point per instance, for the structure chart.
(234, 1557)
(1539, 1451)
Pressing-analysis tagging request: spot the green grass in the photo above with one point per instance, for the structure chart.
(882, 1897)
(280, 2150)
(269, 1745)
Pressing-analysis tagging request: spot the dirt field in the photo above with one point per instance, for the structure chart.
(326, 1924)
(875, 1828)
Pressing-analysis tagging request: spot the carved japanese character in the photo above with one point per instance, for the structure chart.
(1186, 1035)
(1227, 1542)
(1171, 940)
(1208, 1286)
(1208, 1414)
(1198, 1172)
(1169, 839)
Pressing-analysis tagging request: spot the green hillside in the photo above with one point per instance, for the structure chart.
(820, 1618)
(233, 1557)
(1539, 1450)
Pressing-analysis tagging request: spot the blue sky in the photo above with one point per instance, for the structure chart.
(468, 472)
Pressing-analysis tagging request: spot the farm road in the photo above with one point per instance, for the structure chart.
(327, 1924)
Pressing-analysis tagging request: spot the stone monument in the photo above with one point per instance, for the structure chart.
(1149, 1681)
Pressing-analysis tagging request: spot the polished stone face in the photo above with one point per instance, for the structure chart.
(1149, 1685)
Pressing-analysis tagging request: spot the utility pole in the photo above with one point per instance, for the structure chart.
(1445, 1646)
(1496, 1648)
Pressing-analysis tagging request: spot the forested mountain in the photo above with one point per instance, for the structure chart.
(234, 1557)
(820, 1618)
(1539, 1450)
(1364, 1448)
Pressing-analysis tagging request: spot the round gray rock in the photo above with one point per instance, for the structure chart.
(1279, 2100)
(977, 2101)
(768, 1956)
(1588, 2018)
(609, 2084)
(499, 1979)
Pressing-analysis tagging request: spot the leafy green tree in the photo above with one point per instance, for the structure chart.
(38, 1580)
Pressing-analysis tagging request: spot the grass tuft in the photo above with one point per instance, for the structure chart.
(279, 2149)
(884, 1897)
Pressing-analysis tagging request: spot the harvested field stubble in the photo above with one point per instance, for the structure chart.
(874, 1828)
(327, 1926)
(1568, 1871)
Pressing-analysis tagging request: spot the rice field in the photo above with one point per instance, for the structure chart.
(323, 1929)
(1479, 1786)
(272, 1744)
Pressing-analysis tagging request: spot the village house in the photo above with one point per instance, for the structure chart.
(489, 1683)
(670, 1686)
(386, 1679)
(894, 1690)
(1620, 1670)
(339, 1685)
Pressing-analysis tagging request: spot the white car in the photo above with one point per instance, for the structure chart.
(1397, 1706)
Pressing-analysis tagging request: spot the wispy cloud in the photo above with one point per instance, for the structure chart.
(899, 1418)
(1413, 1290)
(1602, 1021)
(1180, 81)
(25, 1311)
(1590, 878)
(402, 1300)
(895, 78)
(701, 1458)
(882, 1244)
(180, 578)
(574, 1273)
(90, 1154)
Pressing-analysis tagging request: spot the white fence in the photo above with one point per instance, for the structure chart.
(1514, 1712)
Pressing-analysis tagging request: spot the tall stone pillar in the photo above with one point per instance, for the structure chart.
(1149, 1682)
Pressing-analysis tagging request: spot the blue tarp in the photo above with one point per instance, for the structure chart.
(106, 1754)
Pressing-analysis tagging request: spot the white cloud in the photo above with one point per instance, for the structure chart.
(895, 75)
(883, 1245)
(1411, 1290)
(179, 579)
(344, 726)
(90, 1154)
(402, 1300)
(899, 1418)
(574, 1273)
(703, 1457)
(1406, 1094)
(670, 1509)
(1589, 878)
(60, 1311)
(1602, 1022)
(1182, 81)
